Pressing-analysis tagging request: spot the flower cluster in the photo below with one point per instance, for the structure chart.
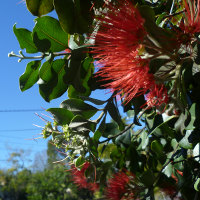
(191, 23)
(118, 187)
(118, 45)
(80, 180)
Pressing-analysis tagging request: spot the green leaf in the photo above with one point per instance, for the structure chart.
(61, 115)
(110, 130)
(73, 76)
(180, 123)
(159, 20)
(65, 12)
(74, 16)
(92, 100)
(168, 170)
(137, 102)
(185, 143)
(164, 39)
(98, 133)
(153, 120)
(157, 148)
(156, 64)
(82, 75)
(143, 138)
(48, 35)
(46, 73)
(39, 7)
(79, 107)
(30, 76)
(51, 83)
(195, 117)
(197, 185)
(163, 128)
(79, 161)
(25, 39)
(80, 124)
(147, 178)
(114, 113)
(124, 139)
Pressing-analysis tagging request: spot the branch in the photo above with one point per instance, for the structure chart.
(126, 129)
(165, 165)
(185, 159)
(21, 56)
(173, 15)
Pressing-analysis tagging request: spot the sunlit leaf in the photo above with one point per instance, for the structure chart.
(30, 76)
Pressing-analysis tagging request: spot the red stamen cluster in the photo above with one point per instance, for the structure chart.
(157, 96)
(117, 187)
(118, 43)
(80, 180)
(191, 23)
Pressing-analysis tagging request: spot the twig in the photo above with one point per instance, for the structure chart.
(108, 139)
(172, 15)
(164, 166)
(21, 56)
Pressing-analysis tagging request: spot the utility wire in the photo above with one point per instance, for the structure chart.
(14, 130)
(21, 110)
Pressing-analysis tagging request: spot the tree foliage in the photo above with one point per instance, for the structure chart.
(151, 68)
(52, 182)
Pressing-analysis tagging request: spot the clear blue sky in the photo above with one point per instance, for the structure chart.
(14, 125)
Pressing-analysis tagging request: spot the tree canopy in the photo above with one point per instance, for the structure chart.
(143, 141)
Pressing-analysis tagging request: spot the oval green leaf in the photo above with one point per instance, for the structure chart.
(39, 7)
(61, 115)
(79, 107)
(25, 39)
(55, 86)
(48, 35)
(30, 76)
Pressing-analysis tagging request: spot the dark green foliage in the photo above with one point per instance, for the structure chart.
(39, 7)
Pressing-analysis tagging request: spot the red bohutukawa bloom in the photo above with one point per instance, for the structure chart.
(118, 44)
(157, 96)
(117, 186)
(123, 186)
(191, 23)
(128, 79)
(80, 180)
(120, 33)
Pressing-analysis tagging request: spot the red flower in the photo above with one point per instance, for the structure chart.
(191, 20)
(120, 34)
(157, 96)
(170, 190)
(129, 79)
(118, 45)
(117, 186)
(80, 180)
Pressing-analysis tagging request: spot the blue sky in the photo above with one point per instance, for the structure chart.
(15, 127)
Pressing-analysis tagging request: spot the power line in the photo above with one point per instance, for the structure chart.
(14, 137)
(22, 110)
(30, 144)
(19, 130)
